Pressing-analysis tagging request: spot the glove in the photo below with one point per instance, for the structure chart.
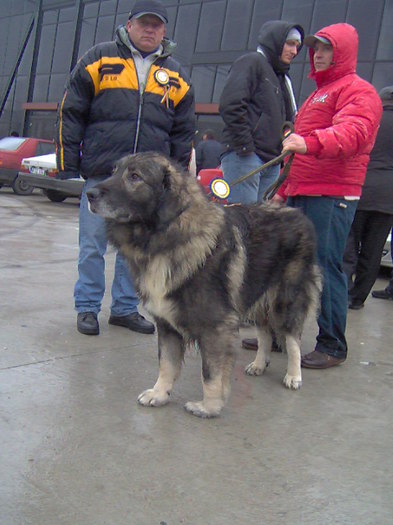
(64, 175)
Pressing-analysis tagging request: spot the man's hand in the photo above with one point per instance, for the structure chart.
(278, 199)
(295, 144)
(64, 175)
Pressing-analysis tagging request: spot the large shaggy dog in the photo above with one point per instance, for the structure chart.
(200, 267)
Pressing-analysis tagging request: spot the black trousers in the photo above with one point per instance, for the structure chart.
(362, 257)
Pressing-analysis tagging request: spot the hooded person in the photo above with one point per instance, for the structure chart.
(374, 215)
(335, 131)
(256, 101)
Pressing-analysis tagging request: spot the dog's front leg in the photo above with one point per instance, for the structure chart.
(170, 355)
(218, 351)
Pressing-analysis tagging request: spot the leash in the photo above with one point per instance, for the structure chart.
(220, 188)
(273, 189)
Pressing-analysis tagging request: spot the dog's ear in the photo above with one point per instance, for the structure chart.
(166, 181)
(169, 205)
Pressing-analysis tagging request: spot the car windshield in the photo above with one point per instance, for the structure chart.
(11, 143)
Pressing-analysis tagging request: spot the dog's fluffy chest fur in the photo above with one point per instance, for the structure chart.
(154, 282)
(158, 276)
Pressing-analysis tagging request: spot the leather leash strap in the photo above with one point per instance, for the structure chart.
(273, 189)
(287, 129)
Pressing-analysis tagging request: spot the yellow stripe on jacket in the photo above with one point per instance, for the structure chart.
(119, 73)
(113, 73)
(61, 154)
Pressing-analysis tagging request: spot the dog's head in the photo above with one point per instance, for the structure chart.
(139, 191)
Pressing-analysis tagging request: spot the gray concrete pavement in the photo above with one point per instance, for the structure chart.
(76, 449)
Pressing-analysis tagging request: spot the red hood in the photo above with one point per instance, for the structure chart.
(344, 39)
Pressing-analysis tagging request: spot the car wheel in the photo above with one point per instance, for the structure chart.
(55, 196)
(21, 188)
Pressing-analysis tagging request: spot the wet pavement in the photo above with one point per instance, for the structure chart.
(76, 449)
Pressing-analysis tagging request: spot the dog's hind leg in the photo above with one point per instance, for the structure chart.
(229, 363)
(293, 377)
(262, 359)
(170, 354)
(218, 351)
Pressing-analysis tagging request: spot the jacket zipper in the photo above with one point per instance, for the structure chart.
(277, 91)
(138, 122)
(141, 95)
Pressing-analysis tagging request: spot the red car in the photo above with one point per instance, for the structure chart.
(12, 151)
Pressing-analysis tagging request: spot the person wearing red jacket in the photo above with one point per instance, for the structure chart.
(335, 131)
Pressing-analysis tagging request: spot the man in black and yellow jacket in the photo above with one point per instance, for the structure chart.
(123, 97)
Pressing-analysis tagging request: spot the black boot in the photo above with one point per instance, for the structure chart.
(87, 323)
(135, 322)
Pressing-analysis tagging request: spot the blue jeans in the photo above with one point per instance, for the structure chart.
(253, 188)
(332, 219)
(90, 287)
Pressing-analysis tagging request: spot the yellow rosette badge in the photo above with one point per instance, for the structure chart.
(220, 188)
(162, 78)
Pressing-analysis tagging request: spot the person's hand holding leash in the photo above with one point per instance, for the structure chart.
(278, 199)
(295, 144)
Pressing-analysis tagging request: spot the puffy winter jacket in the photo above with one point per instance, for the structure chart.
(255, 101)
(103, 116)
(339, 123)
(377, 194)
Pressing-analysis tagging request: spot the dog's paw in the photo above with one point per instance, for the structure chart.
(152, 398)
(293, 382)
(197, 408)
(254, 370)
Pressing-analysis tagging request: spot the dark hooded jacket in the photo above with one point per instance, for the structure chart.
(377, 194)
(339, 122)
(103, 116)
(255, 101)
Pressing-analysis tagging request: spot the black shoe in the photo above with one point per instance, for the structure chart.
(135, 322)
(382, 294)
(87, 323)
(252, 344)
(355, 305)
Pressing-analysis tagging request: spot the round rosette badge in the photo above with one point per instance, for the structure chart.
(220, 188)
(161, 76)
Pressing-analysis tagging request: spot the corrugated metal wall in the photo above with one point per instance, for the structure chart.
(210, 34)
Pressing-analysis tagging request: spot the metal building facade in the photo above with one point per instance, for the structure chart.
(41, 40)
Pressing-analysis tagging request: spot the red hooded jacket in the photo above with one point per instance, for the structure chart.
(339, 123)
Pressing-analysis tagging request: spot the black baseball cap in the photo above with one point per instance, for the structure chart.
(149, 7)
(311, 40)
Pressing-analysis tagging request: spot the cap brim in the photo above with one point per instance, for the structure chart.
(139, 15)
(311, 40)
